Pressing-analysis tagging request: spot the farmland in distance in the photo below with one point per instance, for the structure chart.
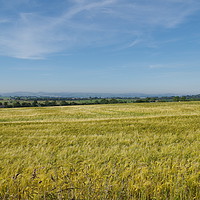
(115, 151)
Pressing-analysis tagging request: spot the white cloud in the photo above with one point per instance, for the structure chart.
(35, 35)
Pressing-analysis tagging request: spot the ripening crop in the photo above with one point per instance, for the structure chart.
(144, 151)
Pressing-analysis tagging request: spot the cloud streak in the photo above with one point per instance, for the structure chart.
(36, 34)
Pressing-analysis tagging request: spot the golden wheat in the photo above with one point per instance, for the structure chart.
(122, 151)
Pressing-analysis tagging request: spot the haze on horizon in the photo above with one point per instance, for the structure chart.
(101, 46)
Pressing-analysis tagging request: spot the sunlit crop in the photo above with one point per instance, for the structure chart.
(122, 151)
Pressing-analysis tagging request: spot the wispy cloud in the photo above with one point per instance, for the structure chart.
(4, 20)
(157, 66)
(175, 65)
(35, 68)
(135, 42)
(35, 34)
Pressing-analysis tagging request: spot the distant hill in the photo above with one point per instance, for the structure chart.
(197, 96)
(84, 95)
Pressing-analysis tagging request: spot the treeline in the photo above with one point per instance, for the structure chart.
(14, 102)
(39, 103)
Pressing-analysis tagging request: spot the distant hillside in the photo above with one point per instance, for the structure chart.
(197, 96)
(84, 95)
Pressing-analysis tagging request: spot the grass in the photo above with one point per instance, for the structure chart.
(123, 151)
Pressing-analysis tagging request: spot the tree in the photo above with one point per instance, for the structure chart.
(25, 104)
(113, 100)
(63, 103)
(16, 104)
(47, 103)
(176, 98)
(35, 103)
(73, 103)
(5, 104)
(54, 103)
(183, 98)
(104, 101)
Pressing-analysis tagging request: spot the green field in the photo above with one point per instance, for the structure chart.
(117, 151)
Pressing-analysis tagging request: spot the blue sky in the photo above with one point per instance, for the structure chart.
(118, 46)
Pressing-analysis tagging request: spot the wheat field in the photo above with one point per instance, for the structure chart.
(118, 151)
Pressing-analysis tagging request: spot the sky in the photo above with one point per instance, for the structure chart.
(101, 46)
